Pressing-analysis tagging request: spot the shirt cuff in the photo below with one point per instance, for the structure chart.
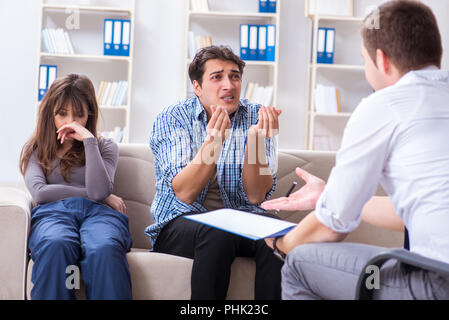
(332, 220)
(90, 141)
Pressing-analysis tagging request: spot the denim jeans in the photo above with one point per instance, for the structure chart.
(79, 232)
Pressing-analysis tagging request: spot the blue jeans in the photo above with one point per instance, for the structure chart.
(79, 232)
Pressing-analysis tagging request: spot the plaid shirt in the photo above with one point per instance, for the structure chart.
(178, 133)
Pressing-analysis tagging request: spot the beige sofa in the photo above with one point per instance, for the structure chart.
(155, 275)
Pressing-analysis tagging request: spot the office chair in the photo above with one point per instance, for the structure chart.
(404, 256)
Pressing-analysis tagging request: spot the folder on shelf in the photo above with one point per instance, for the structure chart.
(117, 38)
(253, 42)
(262, 44)
(245, 224)
(272, 6)
(42, 81)
(271, 42)
(263, 5)
(244, 41)
(126, 35)
(47, 74)
(330, 45)
(321, 50)
(107, 38)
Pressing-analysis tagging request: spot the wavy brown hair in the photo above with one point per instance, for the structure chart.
(72, 90)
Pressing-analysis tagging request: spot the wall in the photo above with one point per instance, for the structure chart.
(158, 69)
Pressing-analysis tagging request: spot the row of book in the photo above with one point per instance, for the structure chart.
(199, 5)
(57, 41)
(197, 42)
(117, 34)
(259, 94)
(326, 45)
(117, 135)
(267, 6)
(258, 42)
(327, 99)
(112, 93)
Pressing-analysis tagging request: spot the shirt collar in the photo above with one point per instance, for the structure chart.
(198, 108)
(430, 73)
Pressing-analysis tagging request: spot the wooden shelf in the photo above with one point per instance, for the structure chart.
(332, 115)
(85, 8)
(84, 57)
(337, 66)
(233, 14)
(338, 18)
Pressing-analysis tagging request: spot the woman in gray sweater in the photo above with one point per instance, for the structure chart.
(77, 222)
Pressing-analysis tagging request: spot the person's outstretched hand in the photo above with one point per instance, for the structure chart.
(301, 200)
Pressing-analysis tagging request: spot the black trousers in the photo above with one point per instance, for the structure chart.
(213, 252)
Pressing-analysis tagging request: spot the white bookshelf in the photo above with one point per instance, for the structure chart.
(222, 23)
(88, 57)
(346, 74)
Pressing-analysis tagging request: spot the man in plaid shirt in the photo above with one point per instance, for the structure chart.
(214, 151)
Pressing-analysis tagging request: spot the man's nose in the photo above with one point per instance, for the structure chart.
(227, 83)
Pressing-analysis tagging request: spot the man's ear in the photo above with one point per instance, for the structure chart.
(383, 62)
(197, 88)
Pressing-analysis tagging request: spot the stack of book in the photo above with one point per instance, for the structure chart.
(117, 135)
(259, 94)
(57, 41)
(325, 143)
(198, 42)
(200, 5)
(112, 93)
(327, 99)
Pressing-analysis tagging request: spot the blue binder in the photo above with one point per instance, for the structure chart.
(321, 46)
(126, 35)
(244, 41)
(271, 42)
(263, 5)
(262, 44)
(330, 45)
(272, 6)
(253, 42)
(117, 38)
(47, 74)
(107, 37)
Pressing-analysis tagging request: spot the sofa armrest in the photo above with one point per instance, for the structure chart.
(15, 219)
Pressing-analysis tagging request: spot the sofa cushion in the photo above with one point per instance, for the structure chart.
(134, 182)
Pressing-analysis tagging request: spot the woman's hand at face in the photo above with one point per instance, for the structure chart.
(73, 131)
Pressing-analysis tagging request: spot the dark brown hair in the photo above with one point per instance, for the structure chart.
(196, 68)
(407, 32)
(72, 90)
